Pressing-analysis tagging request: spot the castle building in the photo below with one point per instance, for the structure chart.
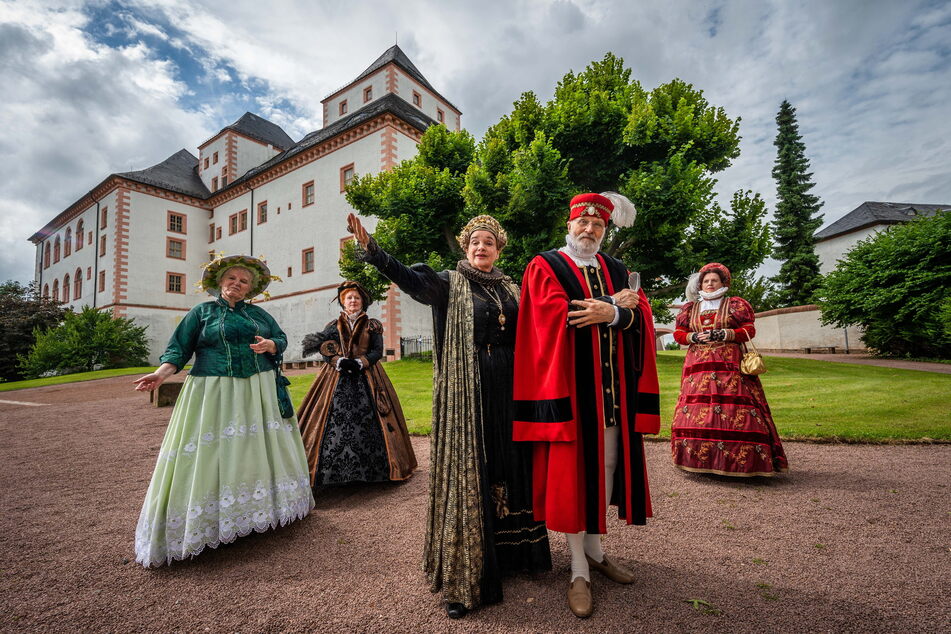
(136, 242)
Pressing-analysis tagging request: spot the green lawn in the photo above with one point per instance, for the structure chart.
(74, 378)
(809, 399)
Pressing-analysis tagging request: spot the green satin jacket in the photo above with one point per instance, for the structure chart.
(219, 336)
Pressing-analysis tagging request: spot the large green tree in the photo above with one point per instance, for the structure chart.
(601, 131)
(896, 286)
(23, 310)
(797, 214)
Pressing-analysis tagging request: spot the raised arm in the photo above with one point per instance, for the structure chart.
(420, 282)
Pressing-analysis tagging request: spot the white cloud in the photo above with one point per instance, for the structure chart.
(73, 112)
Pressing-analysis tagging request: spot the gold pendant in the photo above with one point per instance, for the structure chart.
(502, 320)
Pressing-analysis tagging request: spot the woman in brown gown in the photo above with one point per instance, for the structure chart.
(351, 420)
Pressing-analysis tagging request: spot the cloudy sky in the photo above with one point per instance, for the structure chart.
(91, 88)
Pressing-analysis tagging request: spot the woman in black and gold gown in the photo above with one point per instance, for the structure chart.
(480, 524)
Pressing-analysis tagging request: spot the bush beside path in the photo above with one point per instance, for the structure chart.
(855, 537)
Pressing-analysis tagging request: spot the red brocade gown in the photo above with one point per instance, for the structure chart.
(722, 423)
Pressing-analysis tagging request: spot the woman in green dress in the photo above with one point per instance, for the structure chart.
(231, 461)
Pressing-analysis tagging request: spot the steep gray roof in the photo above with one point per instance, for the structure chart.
(387, 103)
(178, 173)
(869, 214)
(261, 129)
(396, 55)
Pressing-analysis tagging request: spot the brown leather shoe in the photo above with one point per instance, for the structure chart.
(579, 598)
(611, 570)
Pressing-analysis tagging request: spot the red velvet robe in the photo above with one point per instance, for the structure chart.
(565, 380)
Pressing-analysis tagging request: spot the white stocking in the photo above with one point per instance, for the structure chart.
(579, 565)
(592, 543)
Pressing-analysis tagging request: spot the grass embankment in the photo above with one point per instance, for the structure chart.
(73, 378)
(815, 400)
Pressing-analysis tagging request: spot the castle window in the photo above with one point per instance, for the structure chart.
(176, 222)
(214, 158)
(262, 212)
(214, 184)
(175, 283)
(367, 94)
(346, 176)
(56, 249)
(66, 287)
(79, 234)
(175, 248)
(218, 233)
(46, 256)
(68, 242)
(242, 220)
(102, 281)
(343, 107)
(307, 260)
(102, 217)
(46, 291)
(206, 162)
(440, 116)
(211, 233)
(102, 246)
(307, 194)
(417, 99)
(55, 290)
(232, 224)
(78, 284)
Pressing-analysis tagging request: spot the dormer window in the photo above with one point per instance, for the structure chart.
(343, 107)
(367, 94)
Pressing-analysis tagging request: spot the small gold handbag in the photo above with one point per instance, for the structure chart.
(752, 362)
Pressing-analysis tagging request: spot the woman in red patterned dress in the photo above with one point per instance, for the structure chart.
(722, 423)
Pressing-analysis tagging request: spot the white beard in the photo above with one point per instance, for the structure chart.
(583, 249)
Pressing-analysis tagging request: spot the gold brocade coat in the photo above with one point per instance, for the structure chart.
(364, 342)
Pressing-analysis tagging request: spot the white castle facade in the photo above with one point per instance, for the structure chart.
(136, 242)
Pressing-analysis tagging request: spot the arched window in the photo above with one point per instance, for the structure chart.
(79, 234)
(66, 287)
(55, 290)
(46, 256)
(78, 285)
(56, 250)
(68, 242)
(46, 290)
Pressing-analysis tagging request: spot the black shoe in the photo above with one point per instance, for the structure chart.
(456, 610)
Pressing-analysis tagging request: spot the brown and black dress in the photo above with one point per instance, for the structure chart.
(352, 423)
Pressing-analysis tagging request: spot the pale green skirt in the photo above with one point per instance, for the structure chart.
(229, 464)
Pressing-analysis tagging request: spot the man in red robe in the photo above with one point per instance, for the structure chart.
(586, 389)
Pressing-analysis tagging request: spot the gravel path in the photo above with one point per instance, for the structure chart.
(854, 538)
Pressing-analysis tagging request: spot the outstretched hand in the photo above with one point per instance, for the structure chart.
(148, 382)
(355, 227)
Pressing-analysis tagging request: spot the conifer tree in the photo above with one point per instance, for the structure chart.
(797, 214)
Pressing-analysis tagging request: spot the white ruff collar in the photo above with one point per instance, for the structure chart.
(579, 259)
(717, 294)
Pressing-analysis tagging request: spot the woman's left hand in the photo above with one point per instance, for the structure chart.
(262, 345)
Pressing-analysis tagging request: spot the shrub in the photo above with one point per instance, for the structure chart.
(86, 341)
(896, 286)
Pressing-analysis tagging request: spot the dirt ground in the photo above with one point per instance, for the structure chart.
(854, 538)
